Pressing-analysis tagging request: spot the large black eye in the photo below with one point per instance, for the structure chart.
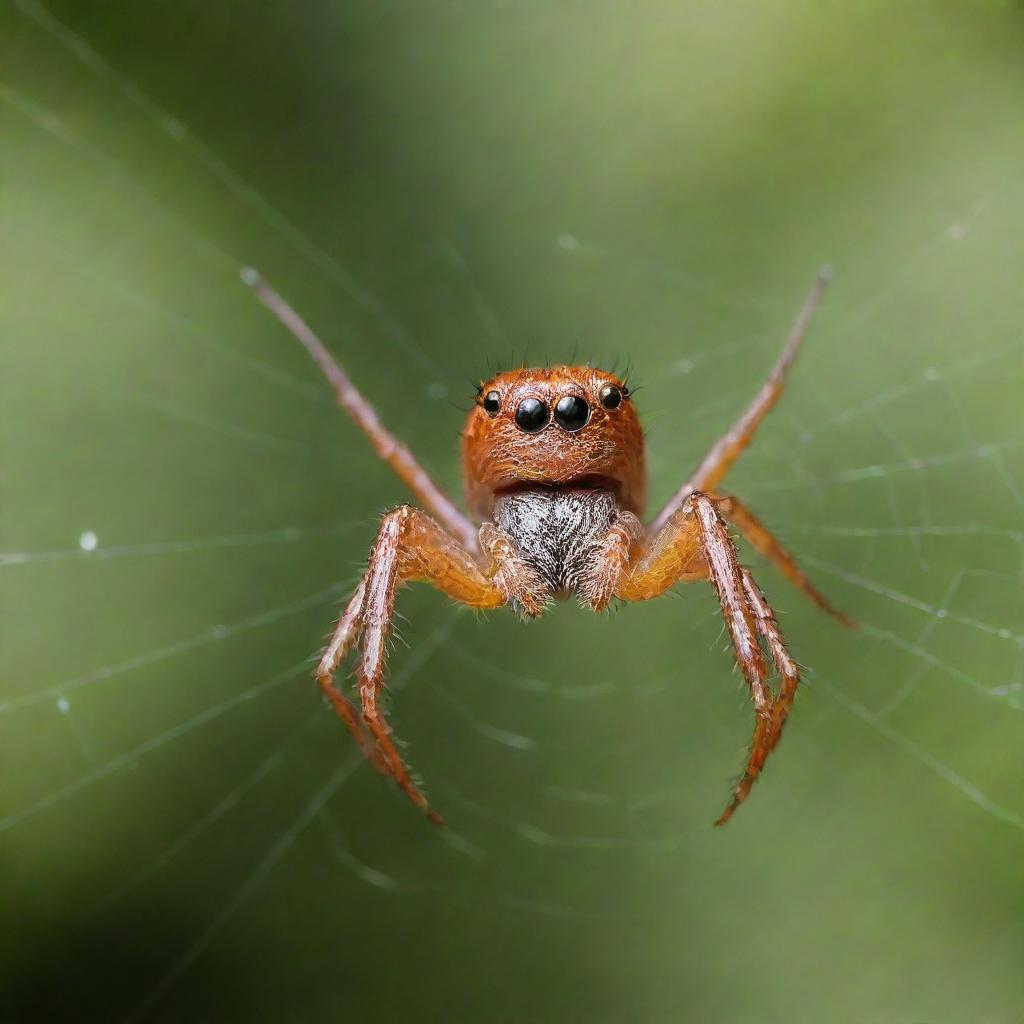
(611, 396)
(572, 413)
(532, 415)
(492, 403)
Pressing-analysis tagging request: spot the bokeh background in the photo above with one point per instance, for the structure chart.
(441, 187)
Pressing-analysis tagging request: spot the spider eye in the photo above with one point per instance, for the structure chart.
(611, 396)
(492, 403)
(532, 415)
(572, 413)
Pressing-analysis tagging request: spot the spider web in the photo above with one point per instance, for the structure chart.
(157, 711)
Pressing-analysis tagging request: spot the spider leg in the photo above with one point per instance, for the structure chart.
(766, 732)
(387, 446)
(728, 448)
(785, 664)
(726, 576)
(769, 547)
(345, 635)
(411, 546)
(695, 545)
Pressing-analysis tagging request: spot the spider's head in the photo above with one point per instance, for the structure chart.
(555, 426)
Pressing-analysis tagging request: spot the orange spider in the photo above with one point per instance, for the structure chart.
(553, 462)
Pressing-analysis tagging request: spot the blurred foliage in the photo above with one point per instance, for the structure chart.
(442, 186)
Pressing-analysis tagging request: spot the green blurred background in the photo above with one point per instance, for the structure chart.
(440, 187)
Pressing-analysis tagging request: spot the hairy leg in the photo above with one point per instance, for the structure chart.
(345, 635)
(785, 664)
(767, 731)
(726, 577)
(410, 546)
(731, 445)
(768, 546)
(695, 544)
(387, 446)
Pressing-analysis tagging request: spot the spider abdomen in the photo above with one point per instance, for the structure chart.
(558, 531)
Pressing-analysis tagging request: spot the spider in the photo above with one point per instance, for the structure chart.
(555, 478)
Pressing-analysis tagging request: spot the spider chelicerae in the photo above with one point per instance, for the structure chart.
(555, 478)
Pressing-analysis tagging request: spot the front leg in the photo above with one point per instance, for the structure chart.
(695, 544)
(409, 546)
(345, 635)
